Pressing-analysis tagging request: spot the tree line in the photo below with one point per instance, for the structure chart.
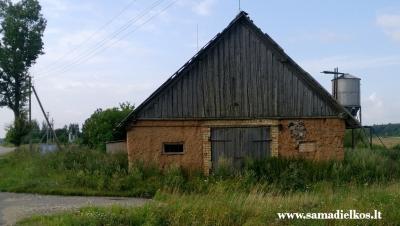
(98, 129)
(387, 130)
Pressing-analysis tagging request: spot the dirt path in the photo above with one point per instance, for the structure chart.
(14, 207)
(4, 150)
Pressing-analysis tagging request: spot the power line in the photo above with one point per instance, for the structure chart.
(104, 41)
(125, 8)
(129, 33)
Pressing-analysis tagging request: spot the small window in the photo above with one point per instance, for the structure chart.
(173, 148)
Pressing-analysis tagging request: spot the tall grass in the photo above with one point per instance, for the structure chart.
(82, 172)
(87, 172)
(365, 180)
(218, 207)
(361, 166)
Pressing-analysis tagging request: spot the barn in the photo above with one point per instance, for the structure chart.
(241, 96)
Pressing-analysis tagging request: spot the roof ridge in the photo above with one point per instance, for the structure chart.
(307, 76)
(242, 14)
(303, 75)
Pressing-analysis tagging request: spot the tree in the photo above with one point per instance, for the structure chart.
(18, 132)
(99, 128)
(21, 32)
(62, 134)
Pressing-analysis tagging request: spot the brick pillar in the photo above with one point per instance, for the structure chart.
(275, 141)
(128, 150)
(206, 133)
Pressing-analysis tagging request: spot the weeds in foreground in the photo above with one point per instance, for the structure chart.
(365, 180)
(87, 172)
(218, 207)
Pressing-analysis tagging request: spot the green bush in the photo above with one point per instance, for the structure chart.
(17, 132)
(100, 127)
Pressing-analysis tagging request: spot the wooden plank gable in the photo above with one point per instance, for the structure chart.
(236, 78)
(242, 73)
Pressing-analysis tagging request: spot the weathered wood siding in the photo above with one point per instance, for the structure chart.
(241, 76)
(235, 144)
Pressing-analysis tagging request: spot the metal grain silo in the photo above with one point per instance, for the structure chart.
(346, 90)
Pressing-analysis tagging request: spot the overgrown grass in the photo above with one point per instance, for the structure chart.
(87, 172)
(366, 180)
(361, 166)
(78, 172)
(225, 206)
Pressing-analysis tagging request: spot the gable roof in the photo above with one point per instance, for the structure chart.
(302, 75)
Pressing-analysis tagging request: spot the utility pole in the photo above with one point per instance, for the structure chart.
(48, 130)
(47, 119)
(52, 126)
(30, 113)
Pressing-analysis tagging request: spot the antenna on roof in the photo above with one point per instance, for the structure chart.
(240, 9)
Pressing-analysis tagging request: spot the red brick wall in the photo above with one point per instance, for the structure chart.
(323, 139)
(145, 143)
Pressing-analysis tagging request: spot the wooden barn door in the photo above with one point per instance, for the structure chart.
(234, 145)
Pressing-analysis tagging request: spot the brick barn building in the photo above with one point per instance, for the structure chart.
(241, 96)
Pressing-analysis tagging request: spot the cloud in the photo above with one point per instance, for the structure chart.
(390, 23)
(322, 36)
(329, 37)
(350, 62)
(203, 7)
(6, 118)
(58, 5)
(374, 109)
(54, 8)
(69, 50)
(59, 8)
(100, 85)
(374, 100)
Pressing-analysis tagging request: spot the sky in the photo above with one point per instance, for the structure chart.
(99, 53)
